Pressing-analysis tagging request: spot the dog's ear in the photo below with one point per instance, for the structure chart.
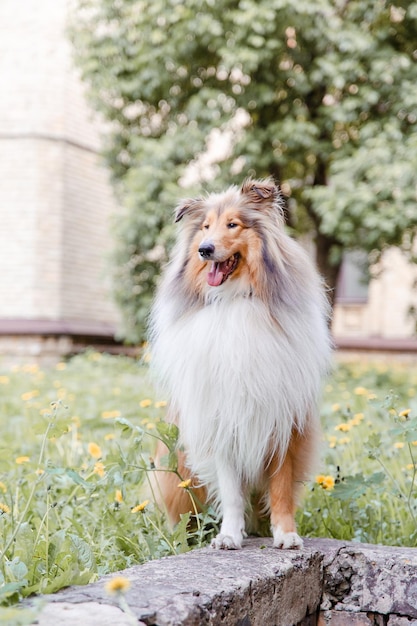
(186, 207)
(260, 191)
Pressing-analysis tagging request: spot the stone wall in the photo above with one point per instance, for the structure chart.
(328, 583)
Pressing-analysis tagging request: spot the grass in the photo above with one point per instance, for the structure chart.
(75, 460)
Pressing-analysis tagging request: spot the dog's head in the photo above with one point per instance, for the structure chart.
(225, 231)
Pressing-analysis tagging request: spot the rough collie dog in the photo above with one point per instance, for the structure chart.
(239, 337)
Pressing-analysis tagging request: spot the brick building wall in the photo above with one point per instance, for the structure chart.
(55, 197)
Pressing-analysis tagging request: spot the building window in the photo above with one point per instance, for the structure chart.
(353, 282)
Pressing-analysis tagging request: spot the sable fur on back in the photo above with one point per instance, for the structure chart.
(241, 363)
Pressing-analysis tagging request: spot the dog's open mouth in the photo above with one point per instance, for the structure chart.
(220, 271)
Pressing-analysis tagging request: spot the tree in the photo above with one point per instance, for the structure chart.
(321, 95)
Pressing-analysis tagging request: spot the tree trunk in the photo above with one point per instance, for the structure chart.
(329, 270)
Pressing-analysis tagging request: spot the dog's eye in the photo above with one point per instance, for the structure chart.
(232, 225)
(206, 226)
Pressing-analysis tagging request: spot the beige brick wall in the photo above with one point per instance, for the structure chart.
(55, 198)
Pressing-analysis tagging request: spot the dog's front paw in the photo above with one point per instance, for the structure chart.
(287, 541)
(226, 542)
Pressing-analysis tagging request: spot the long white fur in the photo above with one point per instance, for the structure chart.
(239, 372)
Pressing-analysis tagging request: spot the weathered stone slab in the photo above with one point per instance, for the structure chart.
(256, 586)
(363, 577)
(352, 583)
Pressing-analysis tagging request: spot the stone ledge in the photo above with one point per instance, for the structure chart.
(256, 586)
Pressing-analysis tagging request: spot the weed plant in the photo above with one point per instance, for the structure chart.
(76, 457)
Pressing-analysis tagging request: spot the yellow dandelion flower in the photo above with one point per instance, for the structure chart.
(117, 585)
(410, 466)
(118, 496)
(145, 403)
(109, 436)
(184, 484)
(372, 396)
(344, 440)
(22, 459)
(344, 427)
(399, 444)
(414, 443)
(4, 380)
(140, 507)
(335, 407)
(99, 469)
(29, 395)
(3, 487)
(94, 450)
(332, 441)
(160, 404)
(357, 419)
(4, 508)
(107, 415)
(40, 471)
(404, 413)
(150, 426)
(360, 391)
(326, 482)
(61, 366)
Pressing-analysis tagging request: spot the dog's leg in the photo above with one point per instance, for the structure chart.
(284, 484)
(166, 490)
(232, 503)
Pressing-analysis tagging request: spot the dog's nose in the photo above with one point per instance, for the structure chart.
(206, 250)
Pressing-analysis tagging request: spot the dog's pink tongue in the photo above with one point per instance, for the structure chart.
(215, 275)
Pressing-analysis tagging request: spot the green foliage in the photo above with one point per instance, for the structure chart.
(75, 498)
(321, 95)
(368, 489)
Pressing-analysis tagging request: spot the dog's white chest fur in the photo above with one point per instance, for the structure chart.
(240, 381)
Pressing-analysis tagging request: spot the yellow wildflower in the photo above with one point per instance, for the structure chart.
(344, 427)
(29, 395)
(117, 585)
(160, 404)
(109, 436)
(344, 440)
(94, 450)
(332, 441)
(22, 459)
(361, 391)
(140, 507)
(4, 508)
(335, 407)
(106, 415)
(357, 419)
(3, 487)
(61, 366)
(4, 380)
(118, 496)
(150, 426)
(326, 482)
(184, 484)
(399, 444)
(404, 413)
(372, 396)
(99, 469)
(145, 403)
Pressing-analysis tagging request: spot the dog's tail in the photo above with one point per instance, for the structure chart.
(175, 492)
